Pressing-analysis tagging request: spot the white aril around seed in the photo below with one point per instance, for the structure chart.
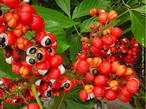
(108, 52)
(102, 11)
(27, 59)
(124, 51)
(49, 88)
(27, 51)
(112, 45)
(39, 93)
(92, 95)
(42, 72)
(1, 82)
(8, 60)
(62, 85)
(136, 45)
(4, 35)
(55, 43)
(43, 41)
(124, 40)
(62, 69)
(26, 1)
(52, 80)
(38, 82)
(88, 97)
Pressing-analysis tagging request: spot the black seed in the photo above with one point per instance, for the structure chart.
(49, 93)
(4, 46)
(32, 61)
(30, 2)
(80, 51)
(49, 49)
(32, 50)
(116, 42)
(48, 41)
(95, 72)
(61, 88)
(2, 40)
(1, 12)
(41, 82)
(16, 60)
(17, 101)
(0, 102)
(66, 85)
(40, 95)
(50, 83)
(39, 56)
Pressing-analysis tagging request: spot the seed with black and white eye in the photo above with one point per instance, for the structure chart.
(4, 46)
(51, 82)
(46, 41)
(31, 50)
(39, 94)
(52, 52)
(39, 82)
(30, 60)
(2, 40)
(39, 56)
(66, 85)
(48, 93)
(95, 72)
(49, 49)
(16, 101)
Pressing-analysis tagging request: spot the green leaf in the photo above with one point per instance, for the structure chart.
(75, 105)
(63, 106)
(29, 35)
(10, 106)
(83, 8)
(86, 24)
(141, 9)
(115, 22)
(6, 68)
(142, 91)
(61, 46)
(132, 2)
(136, 102)
(144, 98)
(64, 5)
(125, 17)
(56, 16)
(138, 27)
(144, 1)
(74, 95)
(57, 101)
(35, 2)
(65, 58)
(59, 33)
(4, 7)
(74, 2)
(75, 47)
(126, 30)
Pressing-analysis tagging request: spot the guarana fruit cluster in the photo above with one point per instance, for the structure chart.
(105, 61)
(27, 57)
(98, 67)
